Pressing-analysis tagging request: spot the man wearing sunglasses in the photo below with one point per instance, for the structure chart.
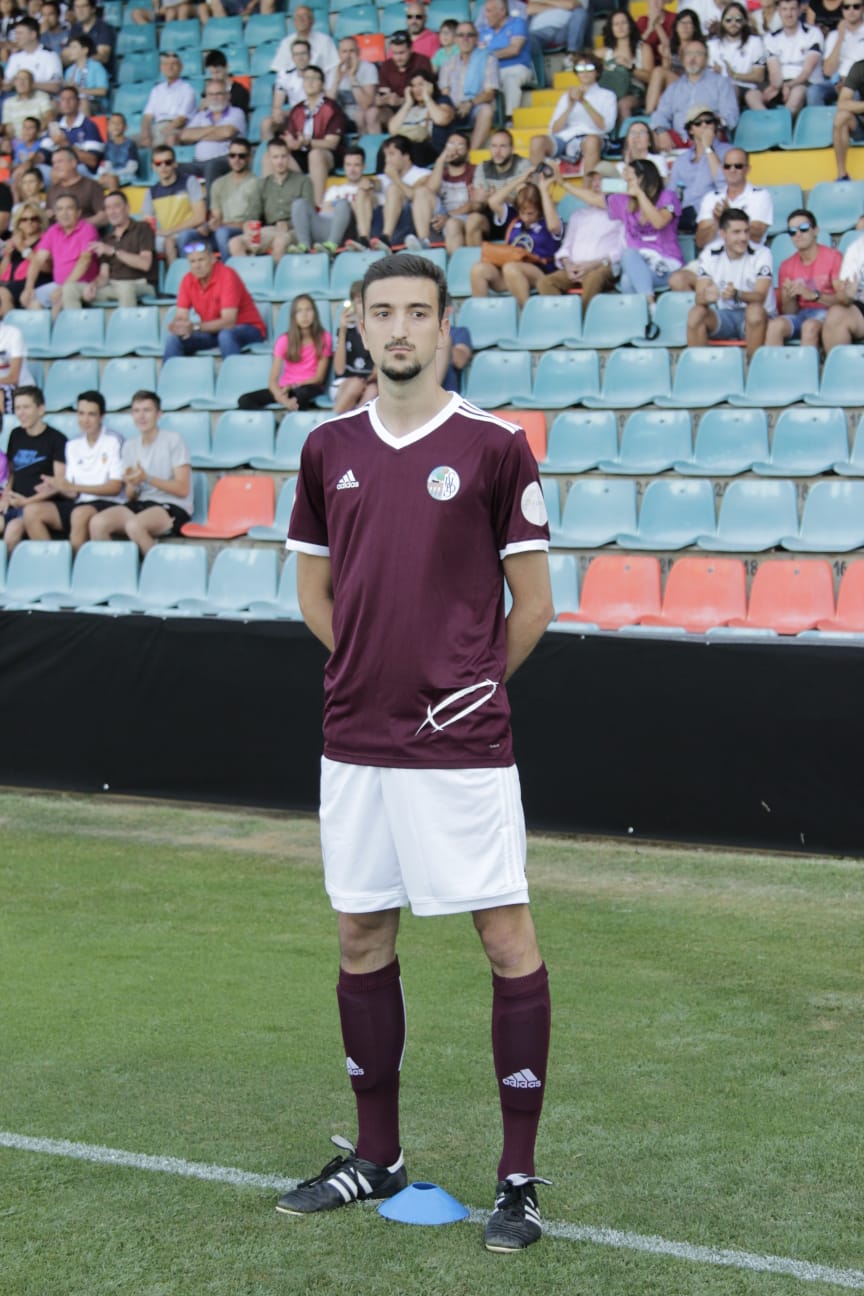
(700, 170)
(794, 59)
(805, 284)
(849, 117)
(235, 198)
(175, 205)
(735, 191)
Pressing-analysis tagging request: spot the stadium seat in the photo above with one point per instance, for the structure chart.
(35, 327)
(236, 504)
(613, 319)
(124, 375)
(853, 464)
(813, 127)
(392, 18)
(439, 10)
(847, 239)
(238, 577)
(285, 607)
(850, 603)
(754, 515)
(552, 498)
(143, 66)
(347, 267)
(354, 20)
(488, 320)
(544, 322)
(134, 40)
(262, 86)
(832, 520)
(66, 378)
(75, 332)
(284, 504)
(785, 198)
(102, 569)
(670, 316)
(632, 377)
(705, 376)
(263, 56)
(651, 442)
(217, 33)
(181, 35)
(789, 596)
(842, 377)
(596, 511)
(168, 574)
(758, 131)
(184, 378)
(256, 273)
(238, 374)
(239, 435)
(533, 424)
(131, 330)
(728, 441)
(672, 515)
(618, 590)
(702, 593)
(261, 28)
(579, 439)
(192, 425)
(37, 567)
(564, 574)
(290, 438)
(564, 378)
(459, 267)
(169, 289)
(130, 100)
(806, 442)
(371, 145)
(836, 205)
(200, 497)
(308, 274)
(779, 376)
(500, 378)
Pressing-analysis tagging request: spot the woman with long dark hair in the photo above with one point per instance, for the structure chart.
(686, 27)
(301, 358)
(627, 63)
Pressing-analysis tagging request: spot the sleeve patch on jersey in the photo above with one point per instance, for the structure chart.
(534, 505)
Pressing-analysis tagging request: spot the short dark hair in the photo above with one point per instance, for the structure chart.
(807, 215)
(354, 150)
(64, 148)
(144, 395)
(403, 265)
(161, 150)
(400, 142)
(68, 88)
(85, 41)
(216, 58)
(450, 23)
(301, 40)
(36, 122)
(117, 193)
(313, 67)
(26, 21)
(92, 398)
(35, 393)
(122, 116)
(241, 139)
(502, 130)
(731, 215)
(64, 193)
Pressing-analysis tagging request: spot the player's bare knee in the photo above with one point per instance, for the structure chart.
(367, 941)
(509, 940)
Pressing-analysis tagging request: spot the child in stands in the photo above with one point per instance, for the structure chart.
(301, 358)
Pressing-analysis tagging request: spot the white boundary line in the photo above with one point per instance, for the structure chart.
(803, 1270)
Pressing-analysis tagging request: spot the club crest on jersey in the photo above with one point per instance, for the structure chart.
(443, 483)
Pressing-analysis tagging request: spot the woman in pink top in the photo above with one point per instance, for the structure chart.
(301, 358)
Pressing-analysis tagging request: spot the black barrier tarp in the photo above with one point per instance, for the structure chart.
(733, 743)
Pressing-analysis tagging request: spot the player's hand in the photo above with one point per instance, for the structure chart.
(728, 293)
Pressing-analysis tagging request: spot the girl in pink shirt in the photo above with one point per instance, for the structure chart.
(301, 358)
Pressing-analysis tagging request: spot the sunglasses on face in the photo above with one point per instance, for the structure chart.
(238, 155)
(196, 247)
(851, 6)
(703, 121)
(734, 166)
(164, 162)
(585, 67)
(804, 226)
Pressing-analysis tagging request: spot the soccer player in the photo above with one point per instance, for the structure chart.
(407, 513)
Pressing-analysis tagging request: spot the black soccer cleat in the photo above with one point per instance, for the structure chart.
(344, 1180)
(515, 1222)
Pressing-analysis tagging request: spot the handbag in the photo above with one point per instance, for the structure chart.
(500, 254)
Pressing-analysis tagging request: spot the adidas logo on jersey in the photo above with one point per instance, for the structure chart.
(353, 1068)
(347, 481)
(522, 1080)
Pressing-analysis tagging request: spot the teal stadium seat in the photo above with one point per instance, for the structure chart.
(262, 57)
(238, 374)
(670, 316)
(130, 100)
(613, 319)
(370, 145)
(66, 378)
(779, 376)
(102, 569)
(37, 567)
(498, 378)
(347, 267)
(579, 440)
(194, 427)
(438, 10)
(169, 574)
(182, 35)
(261, 28)
(239, 435)
(200, 498)
(238, 577)
(564, 378)
(842, 378)
(552, 500)
(728, 442)
(754, 515)
(837, 205)
(357, 19)
(171, 284)
(392, 18)
(135, 40)
(545, 322)
(564, 574)
(143, 66)
(757, 130)
(651, 442)
(35, 327)
(286, 606)
(806, 442)
(183, 379)
(75, 330)
(256, 273)
(459, 270)
(218, 33)
(124, 375)
(290, 439)
(832, 520)
(785, 198)
(813, 127)
(632, 376)
(262, 87)
(488, 320)
(672, 515)
(131, 330)
(284, 504)
(705, 376)
(309, 274)
(853, 464)
(596, 511)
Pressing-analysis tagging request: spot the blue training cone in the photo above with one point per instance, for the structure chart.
(423, 1203)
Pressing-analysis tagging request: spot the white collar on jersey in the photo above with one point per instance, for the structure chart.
(399, 443)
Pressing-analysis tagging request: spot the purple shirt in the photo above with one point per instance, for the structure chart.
(415, 528)
(65, 250)
(641, 234)
(206, 149)
(536, 237)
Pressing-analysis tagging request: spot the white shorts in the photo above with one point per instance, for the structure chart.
(443, 841)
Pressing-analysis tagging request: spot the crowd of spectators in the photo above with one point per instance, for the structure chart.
(643, 140)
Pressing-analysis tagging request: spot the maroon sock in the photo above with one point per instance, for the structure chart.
(520, 1048)
(372, 1012)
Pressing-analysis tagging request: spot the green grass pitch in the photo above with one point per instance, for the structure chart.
(167, 986)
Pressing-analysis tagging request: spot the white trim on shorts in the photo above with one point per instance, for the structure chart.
(442, 840)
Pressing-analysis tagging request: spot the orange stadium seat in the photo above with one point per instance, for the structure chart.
(236, 504)
(850, 602)
(618, 590)
(701, 593)
(789, 597)
(534, 423)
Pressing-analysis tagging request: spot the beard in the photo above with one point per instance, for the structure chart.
(404, 373)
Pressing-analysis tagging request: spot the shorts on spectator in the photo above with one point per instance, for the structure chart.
(66, 507)
(801, 318)
(570, 149)
(179, 517)
(730, 324)
(337, 382)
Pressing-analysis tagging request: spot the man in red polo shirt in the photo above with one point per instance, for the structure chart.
(228, 317)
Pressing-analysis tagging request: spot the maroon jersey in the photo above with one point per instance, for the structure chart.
(415, 528)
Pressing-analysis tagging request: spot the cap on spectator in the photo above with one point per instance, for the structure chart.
(400, 38)
(699, 110)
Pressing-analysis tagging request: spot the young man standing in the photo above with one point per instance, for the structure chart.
(420, 795)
